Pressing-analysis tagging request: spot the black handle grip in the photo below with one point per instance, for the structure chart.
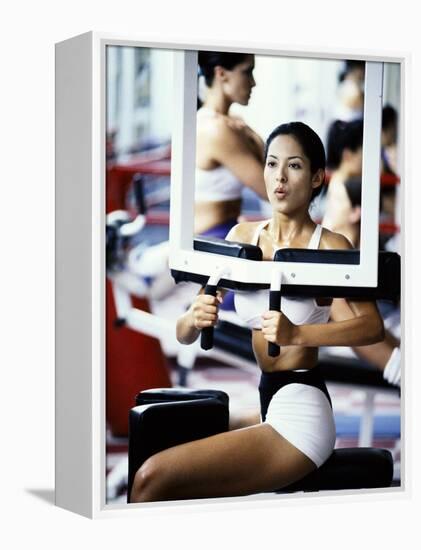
(274, 305)
(206, 338)
(139, 193)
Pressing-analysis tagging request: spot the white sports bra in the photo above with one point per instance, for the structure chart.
(218, 184)
(300, 311)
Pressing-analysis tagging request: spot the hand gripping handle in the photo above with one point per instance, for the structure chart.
(206, 339)
(275, 305)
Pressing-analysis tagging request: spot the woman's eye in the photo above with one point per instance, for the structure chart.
(294, 165)
(271, 164)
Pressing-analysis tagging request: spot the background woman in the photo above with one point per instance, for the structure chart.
(229, 154)
(229, 157)
(297, 432)
(344, 159)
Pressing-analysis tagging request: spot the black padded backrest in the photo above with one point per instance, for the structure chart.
(213, 245)
(389, 274)
(311, 256)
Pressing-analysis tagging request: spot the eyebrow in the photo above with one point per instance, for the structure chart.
(288, 158)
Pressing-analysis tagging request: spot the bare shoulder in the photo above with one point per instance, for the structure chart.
(211, 123)
(224, 133)
(219, 131)
(330, 240)
(242, 232)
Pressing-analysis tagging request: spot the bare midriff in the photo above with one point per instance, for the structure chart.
(209, 214)
(290, 357)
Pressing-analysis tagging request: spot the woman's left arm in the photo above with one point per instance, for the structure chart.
(364, 328)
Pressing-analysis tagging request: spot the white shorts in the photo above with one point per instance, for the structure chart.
(303, 415)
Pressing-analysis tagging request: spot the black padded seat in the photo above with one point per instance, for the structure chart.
(167, 417)
(352, 468)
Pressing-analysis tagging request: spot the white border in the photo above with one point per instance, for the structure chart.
(80, 360)
(76, 410)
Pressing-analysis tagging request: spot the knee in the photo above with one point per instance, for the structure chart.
(148, 481)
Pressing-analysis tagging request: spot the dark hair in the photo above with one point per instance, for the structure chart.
(389, 117)
(353, 189)
(343, 135)
(351, 65)
(310, 142)
(209, 60)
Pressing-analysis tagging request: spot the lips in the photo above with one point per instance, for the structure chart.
(280, 193)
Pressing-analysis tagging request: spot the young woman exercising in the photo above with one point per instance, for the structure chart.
(297, 432)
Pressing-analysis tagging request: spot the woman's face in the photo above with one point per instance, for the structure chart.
(238, 82)
(288, 177)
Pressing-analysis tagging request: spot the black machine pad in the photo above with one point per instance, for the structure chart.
(389, 270)
(167, 417)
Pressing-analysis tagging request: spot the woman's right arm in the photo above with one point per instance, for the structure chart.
(230, 149)
(202, 313)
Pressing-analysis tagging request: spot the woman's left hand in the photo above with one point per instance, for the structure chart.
(277, 328)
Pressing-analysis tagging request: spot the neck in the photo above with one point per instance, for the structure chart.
(344, 172)
(284, 229)
(217, 101)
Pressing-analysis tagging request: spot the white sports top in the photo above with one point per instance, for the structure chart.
(300, 311)
(218, 184)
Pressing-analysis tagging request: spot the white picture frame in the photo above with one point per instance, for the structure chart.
(80, 259)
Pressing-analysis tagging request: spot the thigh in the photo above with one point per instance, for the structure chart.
(240, 462)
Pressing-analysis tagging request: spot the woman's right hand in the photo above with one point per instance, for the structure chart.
(204, 310)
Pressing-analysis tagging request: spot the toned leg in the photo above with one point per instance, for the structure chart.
(239, 462)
